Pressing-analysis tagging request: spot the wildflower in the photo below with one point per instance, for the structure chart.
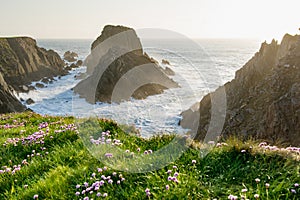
(35, 196)
(147, 192)
(77, 193)
(193, 161)
(93, 175)
(118, 182)
(25, 186)
(104, 168)
(123, 179)
(150, 151)
(169, 178)
(232, 197)
(91, 192)
(176, 174)
(127, 151)
(267, 185)
(296, 184)
(110, 181)
(256, 196)
(77, 186)
(244, 190)
(138, 149)
(257, 180)
(83, 192)
(86, 184)
(98, 194)
(174, 167)
(101, 182)
(96, 188)
(86, 198)
(114, 173)
(293, 191)
(243, 151)
(167, 187)
(105, 195)
(108, 155)
(145, 152)
(100, 170)
(169, 171)
(211, 142)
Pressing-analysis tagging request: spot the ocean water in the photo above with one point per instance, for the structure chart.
(200, 67)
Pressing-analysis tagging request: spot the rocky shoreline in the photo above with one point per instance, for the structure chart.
(23, 62)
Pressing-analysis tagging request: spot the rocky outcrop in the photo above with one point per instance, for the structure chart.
(165, 62)
(70, 56)
(119, 69)
(22, 61)
(8, 101)
(263, 100)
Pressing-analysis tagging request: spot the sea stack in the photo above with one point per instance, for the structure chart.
(263, 100)
(118, 69)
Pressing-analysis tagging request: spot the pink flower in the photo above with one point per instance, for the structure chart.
(35, 196)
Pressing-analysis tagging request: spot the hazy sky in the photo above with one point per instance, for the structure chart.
(262, 19)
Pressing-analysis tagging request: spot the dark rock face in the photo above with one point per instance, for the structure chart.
(8, 101)
(70, 56)
(263, 101)
(22, 61)
(117, 61)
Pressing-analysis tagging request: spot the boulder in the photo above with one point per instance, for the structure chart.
(30, 101)
(39, 85)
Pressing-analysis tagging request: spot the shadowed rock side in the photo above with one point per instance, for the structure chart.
(263, 100)
(22, 61)
(8, 102)
(117, 57)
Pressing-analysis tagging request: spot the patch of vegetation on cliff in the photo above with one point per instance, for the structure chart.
(44, 157)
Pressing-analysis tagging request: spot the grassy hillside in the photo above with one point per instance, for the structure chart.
(44, 157)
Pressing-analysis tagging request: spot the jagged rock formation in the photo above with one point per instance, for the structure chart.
(119, 69)
(70, 56)
(22, 61)
(263, 100)
(8, 101)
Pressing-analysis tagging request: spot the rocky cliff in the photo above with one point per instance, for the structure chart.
(263, 100)
(118, 69)
(8, 102)
(22, 61)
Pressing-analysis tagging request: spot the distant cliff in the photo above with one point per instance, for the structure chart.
(22, 61)
(117, 62)
(263, 100)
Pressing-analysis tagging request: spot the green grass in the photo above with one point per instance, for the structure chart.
(66, 158)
